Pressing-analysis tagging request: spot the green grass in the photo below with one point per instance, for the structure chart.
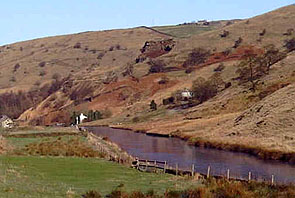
(184, 31)
(19, 143)
(53, 177)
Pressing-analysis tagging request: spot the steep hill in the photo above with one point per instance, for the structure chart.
(120, 72)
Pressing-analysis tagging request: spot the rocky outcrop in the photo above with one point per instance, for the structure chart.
(154, 49)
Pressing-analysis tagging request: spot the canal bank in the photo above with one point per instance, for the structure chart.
(176, 151)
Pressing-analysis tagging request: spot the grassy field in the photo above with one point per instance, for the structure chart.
(29, 176)
(184, 31)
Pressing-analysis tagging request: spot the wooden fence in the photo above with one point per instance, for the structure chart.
(162, 166)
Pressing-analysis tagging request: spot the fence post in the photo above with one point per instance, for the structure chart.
(208, 172)
(193, 170)
(272, 179)
(176, 169)
(227, 174)
(249, 177)
(165, 166)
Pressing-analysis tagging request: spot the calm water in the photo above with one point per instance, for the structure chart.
(174, 150)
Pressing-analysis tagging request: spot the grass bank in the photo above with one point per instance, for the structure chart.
(262, 153)
(32, 176)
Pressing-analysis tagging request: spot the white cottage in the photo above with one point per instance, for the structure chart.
(187, 94)
(6, 122)
(80, 118)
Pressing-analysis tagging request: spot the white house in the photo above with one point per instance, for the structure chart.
(6, 122)
(80, 118)
(186, 94)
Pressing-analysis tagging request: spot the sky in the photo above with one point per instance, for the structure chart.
(28, 19)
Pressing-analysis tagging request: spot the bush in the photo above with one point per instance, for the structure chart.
(205, 89)
(238, 42)
(262, 33)
(157, 66)
(163, 81)
(100, 55)
(219, 68)
(12, 79)
(197, 56)
(42, 64)
(224, 34)
(169, 100)
(153, 105)
(289, 32)
(16, 67)
(226, 52)
(189, 70)
(92, 194)
(111, 48)
(118, 47)
(290, 45)
(77, 45)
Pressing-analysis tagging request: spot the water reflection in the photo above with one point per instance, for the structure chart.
(174, 150)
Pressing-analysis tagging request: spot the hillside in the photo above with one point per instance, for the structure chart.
(120, 72)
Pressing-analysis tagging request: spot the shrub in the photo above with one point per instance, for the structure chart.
(16, 67)
(197, 56)
(169, 100)
(163, 80)
(42, 64)
(189, 70)
(238, 42)
(100, 55)
(289, 32)
(262, 33)
(224, 34)
(290, 44)
(205, 89)
(219, 68)
(118, 47)
(227, 85)
(153, 105)
(157, 66)
(226, 52)
(111, 48)
(92, 194)
(12, 79)
(77, 45)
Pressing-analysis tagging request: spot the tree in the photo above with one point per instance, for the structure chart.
(271, 56)
(196, 57)
(290, 45)
(97, 115)
(205, 89)
(157, 66)
(248, 70)
(254, 67)
(238, 42)
(74, 118)
(90, 115)
(153, 105)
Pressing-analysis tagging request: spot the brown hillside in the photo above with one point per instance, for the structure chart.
(107, 76)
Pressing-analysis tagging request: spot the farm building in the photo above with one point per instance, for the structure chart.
(5, 122)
